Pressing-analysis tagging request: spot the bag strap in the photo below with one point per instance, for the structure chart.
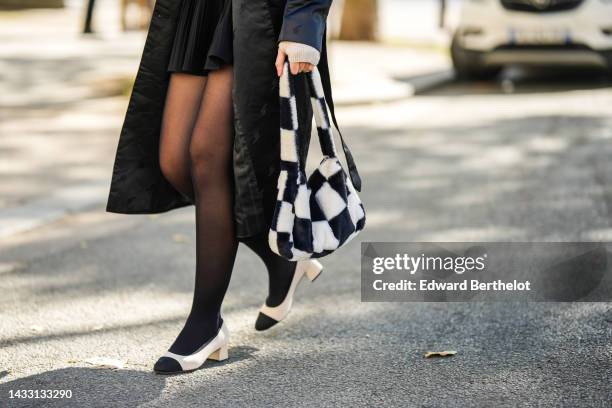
(316, 89)
(323, 67)
(288, 123)
(320, 110)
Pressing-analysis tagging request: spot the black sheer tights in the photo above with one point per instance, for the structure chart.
(280, 271)
(195, 156)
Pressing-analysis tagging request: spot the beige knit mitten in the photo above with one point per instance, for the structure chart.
(298, 52)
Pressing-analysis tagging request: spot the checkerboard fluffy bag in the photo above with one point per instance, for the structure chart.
(314, 216)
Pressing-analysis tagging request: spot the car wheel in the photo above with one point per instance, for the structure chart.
(469, 65)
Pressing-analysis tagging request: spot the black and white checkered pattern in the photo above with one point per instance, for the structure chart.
(312, 217)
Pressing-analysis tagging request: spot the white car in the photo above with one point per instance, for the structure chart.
(493, 33)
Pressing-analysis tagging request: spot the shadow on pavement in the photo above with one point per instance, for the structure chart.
(520, 80)
(71, 334)
(316, 360)
(519, 167)
(90, 387)
(106, 387)
(515, 177)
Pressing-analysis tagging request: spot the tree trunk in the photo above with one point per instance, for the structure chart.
(442, 17)
(87, 29)
(23, 4)
(359, 20)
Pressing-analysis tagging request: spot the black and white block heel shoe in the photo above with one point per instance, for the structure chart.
(214, 349)
(270, 316)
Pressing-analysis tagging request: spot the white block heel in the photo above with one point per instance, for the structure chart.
(313, 270)
(270, 316)
(220, 355)
(214, 349)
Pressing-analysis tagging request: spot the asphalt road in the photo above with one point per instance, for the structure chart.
(478, 162)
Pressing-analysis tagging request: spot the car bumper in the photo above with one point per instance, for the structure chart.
(534, 56)
(486, 26)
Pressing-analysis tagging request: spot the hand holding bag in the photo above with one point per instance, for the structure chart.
(315, 216)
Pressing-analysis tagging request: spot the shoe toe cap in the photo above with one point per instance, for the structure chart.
(264, 322)
(167, 365)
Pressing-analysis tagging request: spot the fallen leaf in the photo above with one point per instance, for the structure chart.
(105, 362)
(180, 238)
(84, 245)
(430, 354)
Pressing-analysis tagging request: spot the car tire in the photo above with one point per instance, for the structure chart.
(469, 65)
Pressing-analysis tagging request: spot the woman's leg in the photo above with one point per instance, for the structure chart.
(210, 153)
(280, 270)
(183, 102)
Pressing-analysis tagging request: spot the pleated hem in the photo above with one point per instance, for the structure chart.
(203, 39)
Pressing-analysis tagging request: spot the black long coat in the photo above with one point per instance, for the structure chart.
(138, 185)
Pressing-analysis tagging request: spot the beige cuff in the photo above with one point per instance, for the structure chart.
(298, 52)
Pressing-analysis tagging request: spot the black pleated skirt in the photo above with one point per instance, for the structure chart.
(203, 39)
